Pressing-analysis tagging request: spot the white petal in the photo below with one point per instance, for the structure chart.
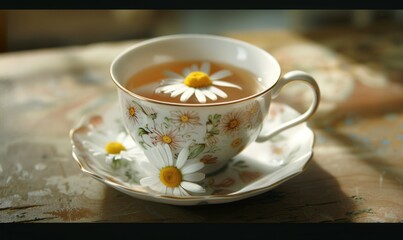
(153, 158)
(158, 90)
(177, 191)
(172, 74)
(169, 88)
(159, 187)
(205, 67)
(92, 142)
(170, 81)
(190, 168)
(110, 135)
(98, 138)
(148, 181)
(170, 191)
(94, 149)
(183, 191)
(209, 94)
(179, 91)
(150, 169)
(168, 155)
(128, 142)
(226, 84)
(192, 187)
(194, 177)
(220, 75)
(194, 68)
(182, 157)
(160, 153)
(89, 144)
(128, 156)
(218, 92)
(186, 72)
(156, 187)
(192, 161)
(109, 159)
(149, 154)
(132, 153)
(187, 94)
(121, 137)
(117, 157)
(164, 189)
(97, 153)
(200, 96)
(134, 150)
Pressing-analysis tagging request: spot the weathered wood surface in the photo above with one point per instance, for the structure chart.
(356, 174)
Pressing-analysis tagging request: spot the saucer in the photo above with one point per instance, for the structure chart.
(257, 169)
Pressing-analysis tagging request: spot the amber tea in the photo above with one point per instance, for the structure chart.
(194, 82)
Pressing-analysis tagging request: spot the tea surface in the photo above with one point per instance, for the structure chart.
(147, 80)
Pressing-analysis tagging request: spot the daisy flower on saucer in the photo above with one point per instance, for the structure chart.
(196, 81)
(115, 146)
(171, 176)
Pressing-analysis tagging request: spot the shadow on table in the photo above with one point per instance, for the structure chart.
(312, 196)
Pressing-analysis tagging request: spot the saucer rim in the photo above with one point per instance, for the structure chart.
(241, 195)
(182, 200)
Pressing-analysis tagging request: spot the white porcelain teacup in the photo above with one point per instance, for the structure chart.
(218, 131)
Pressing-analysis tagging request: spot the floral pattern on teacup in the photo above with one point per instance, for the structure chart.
(232, 122)
(133, 110)
(185, 119)
(186, 128)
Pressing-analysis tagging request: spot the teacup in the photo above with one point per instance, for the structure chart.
(218, 130)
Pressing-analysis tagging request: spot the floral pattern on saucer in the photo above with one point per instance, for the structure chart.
(257, 169)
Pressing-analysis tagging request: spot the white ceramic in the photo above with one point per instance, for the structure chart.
(219, 131)
(257, 169)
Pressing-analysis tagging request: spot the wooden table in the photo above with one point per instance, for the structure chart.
(356, 174)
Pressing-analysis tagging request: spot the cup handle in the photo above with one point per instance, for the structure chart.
(287, 78)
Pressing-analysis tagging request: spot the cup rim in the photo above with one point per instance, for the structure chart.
(191, 35)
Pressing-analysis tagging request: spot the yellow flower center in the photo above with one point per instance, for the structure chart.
(171, 176)
(197, 80)
(233, 123)
(236, 142)
(278, 150)
(184, 118)
(167, 139)
(114, 147)
(132, 111)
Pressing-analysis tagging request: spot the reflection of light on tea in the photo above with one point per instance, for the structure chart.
(241, 53)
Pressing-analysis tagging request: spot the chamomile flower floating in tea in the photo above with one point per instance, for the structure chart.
(197, 81)
(169, 176)
(115, 146)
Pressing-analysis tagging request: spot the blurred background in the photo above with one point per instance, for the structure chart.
(34, 29)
